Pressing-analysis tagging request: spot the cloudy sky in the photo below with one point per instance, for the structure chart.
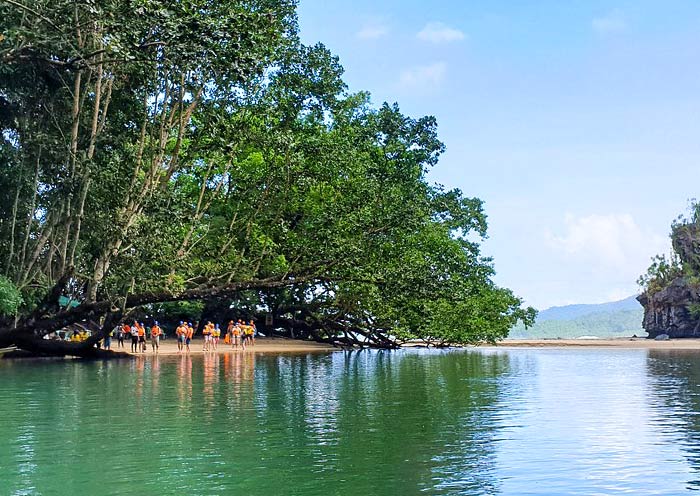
(577, 122)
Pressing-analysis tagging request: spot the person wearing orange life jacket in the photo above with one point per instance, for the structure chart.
(227, 334)
(244, 337)
(215, 335)
(253, 331)
(123, 332)
(248, 334)
(206, 332)
(189, 332)
(142, 337)
(235, 335)
(180, 332)
(156, 332)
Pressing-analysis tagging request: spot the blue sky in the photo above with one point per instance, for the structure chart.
(577, 122)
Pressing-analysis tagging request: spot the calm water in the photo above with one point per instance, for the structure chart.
(387, 423)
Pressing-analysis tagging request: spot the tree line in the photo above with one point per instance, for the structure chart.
(196, 150)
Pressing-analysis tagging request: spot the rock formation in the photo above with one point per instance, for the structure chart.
(668, 310)
(672, 303)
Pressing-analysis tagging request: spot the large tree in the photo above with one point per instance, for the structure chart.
(184, 150)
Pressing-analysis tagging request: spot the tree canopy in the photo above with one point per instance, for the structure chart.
(197, 150)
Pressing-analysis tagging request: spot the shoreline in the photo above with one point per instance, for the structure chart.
(262, 345)
(279, 345)
(632, 343)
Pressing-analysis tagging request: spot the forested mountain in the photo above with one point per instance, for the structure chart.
(614, 319)
(570, 312)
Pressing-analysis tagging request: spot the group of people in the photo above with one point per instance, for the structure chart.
(238, 334)
(137, 333)
(184, 333)
(241, 334)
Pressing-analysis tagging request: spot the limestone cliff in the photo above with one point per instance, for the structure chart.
(668, 311)
(672, 302)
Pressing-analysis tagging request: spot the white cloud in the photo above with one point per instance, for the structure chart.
(437, 32)
(372, 31)
(612, 22)
(612, 243)
(424, 76)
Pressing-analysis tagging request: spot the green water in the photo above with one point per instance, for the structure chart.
(384, 423)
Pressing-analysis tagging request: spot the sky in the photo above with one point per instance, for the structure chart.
(577, 123)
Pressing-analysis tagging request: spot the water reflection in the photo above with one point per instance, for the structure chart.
(676, 392)
(587, 425)
(184, 380)
(377, 422)
(501, 422)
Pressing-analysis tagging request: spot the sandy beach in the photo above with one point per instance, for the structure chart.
(262, 345)
(281, 345)
(672, 344)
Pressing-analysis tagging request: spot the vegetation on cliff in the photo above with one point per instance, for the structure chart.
(683, 261)
(180, 151)
(671, 285)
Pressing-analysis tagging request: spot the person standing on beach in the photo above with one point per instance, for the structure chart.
(108, 338)
(156, 332)
(134, 331)
(229, 332)
(180, 332)
(244, 334)
(227, 335)
(216, 334)
(142, 337)
(123, 332)
(206, 332)
(248, 335)
(236, 335)
(188, 336)
(253, 331)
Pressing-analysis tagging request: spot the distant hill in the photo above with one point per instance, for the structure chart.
(570, 312)
(614, 319)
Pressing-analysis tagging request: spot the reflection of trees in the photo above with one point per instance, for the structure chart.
(360, 423)
(391, 422)
(429, 417)
(677, 385)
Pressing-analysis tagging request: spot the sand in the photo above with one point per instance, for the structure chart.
(643, 343)
(281, 345)
(262, 345)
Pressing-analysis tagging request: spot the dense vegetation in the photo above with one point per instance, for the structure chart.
(160, 151)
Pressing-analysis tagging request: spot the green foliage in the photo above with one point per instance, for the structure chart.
(694, 310)
(660, 273)
(190, 311)
(206, 145)
(10, 297)
(684, 261)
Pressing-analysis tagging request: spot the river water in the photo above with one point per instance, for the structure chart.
(491, 421)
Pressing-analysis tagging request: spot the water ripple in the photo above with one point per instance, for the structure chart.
(437, 422)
